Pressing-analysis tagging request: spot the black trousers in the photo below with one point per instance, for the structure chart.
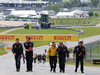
(29, 63)
(79, 59)
(62, 63)
(34, 60)
(17, 59)
(53, 62)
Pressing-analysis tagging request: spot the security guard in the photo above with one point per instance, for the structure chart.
(52, 55)
(28, 47)
(62, 51)
(80, 55)
(17, 50)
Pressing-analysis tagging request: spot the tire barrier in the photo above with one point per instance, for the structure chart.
(27, 20)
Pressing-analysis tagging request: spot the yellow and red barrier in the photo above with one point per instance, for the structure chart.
(40, 37)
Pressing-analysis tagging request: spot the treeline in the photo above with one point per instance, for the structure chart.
(72, 3)
(68, 4)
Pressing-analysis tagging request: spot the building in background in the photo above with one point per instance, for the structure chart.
(72, 14)
(23, 13)
(23, 5)
(2, 16)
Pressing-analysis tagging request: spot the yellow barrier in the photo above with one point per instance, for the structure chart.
(40, 37)
(8, 48)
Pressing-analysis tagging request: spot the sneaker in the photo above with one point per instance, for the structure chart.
(54, 71)
(31, 70)
(18, 70)
(60, 71)
(51, 70)
(76, 70)
(63, 71)
(27, 71)
(82, 72)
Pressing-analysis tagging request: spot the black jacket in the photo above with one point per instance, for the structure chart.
(80, 52)
(27, 45)
(63, 51)
(17, 48)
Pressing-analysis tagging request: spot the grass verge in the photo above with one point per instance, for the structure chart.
(2, 51)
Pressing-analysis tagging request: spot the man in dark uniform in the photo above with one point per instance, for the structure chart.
(62, 51)
(28, 47)
(38, 58)
(80, 55)
(17, 50)
(44, 58)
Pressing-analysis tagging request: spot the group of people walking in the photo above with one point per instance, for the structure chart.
(53, 54)
(40, 58)
(62, 53)
(17, 50)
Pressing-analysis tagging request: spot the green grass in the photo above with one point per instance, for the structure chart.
(86, 64)
(66, 0)
(96, 11)
(42, 31)
(90, 31)
(75, 21)
(95, 52)
(42, 43)
(69, 0)
(1, 30)
(2, 51)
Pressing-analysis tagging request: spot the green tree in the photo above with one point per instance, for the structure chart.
(55, 7)
(67, 5)
(90, 13)
(96, 15)
(99, 4)
(94, 2)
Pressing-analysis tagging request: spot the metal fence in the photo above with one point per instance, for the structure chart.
(93, 49)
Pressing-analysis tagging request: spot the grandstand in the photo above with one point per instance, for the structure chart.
(23, 5)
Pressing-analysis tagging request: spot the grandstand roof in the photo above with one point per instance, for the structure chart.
(21, 1)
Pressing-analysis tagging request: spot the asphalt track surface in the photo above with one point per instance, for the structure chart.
(7, 67)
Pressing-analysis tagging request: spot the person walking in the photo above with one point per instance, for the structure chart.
(17, 50)
(44, 58)
(62, 52)
(28, 47)
(80, 55)
(35, 57)
(52, 55)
